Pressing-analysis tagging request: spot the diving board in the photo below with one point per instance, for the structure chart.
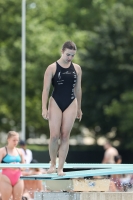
(81, 180)
(80, 174)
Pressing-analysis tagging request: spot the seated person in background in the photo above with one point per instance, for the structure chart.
(28, 156)
(125, 179)
(115, 179)
(31, 186)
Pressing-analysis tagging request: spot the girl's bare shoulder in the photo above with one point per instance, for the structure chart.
(52, 66)
(51, 69)
(77, 68)
(3, 151)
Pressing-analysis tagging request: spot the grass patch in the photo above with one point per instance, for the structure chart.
(37, 147)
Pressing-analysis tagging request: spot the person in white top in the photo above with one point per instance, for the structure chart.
(110, 153)
(28, 156)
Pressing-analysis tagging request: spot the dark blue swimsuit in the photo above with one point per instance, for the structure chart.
(64, 82)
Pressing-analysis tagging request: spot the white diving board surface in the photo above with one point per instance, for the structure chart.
(68, 166)
(80, 174)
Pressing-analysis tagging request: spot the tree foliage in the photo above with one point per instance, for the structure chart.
(108, 72)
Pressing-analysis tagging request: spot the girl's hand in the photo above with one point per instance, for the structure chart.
(79, 114)
(45, 114)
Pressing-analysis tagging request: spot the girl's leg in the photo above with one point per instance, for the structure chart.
(5, 188)
(69, 116)
(18, 190)
(55, 117)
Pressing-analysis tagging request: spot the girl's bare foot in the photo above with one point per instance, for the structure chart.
(60, 172)
(51, 170)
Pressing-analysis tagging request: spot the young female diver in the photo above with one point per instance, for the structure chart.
(11, 184)
(64, 104)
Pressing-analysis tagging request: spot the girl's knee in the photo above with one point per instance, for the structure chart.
(54, 138)
(64, 137)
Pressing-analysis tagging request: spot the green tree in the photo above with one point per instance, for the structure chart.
(102, 30)
(122, 110)
(10, 68)
(108, 69)
(45, 33)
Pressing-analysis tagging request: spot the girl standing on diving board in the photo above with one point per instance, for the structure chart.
(64, 104)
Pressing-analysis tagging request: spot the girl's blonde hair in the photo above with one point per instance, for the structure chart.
(11, 134)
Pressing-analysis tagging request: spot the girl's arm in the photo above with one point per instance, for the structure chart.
(78, 91)
(46, 87)
(2, 154)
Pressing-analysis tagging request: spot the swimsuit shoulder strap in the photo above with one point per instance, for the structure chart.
(5, 155)
(57, 66)
(18, 151)
(72, 67)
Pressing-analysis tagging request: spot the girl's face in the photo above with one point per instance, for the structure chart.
(68, 55)
(13, 141)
